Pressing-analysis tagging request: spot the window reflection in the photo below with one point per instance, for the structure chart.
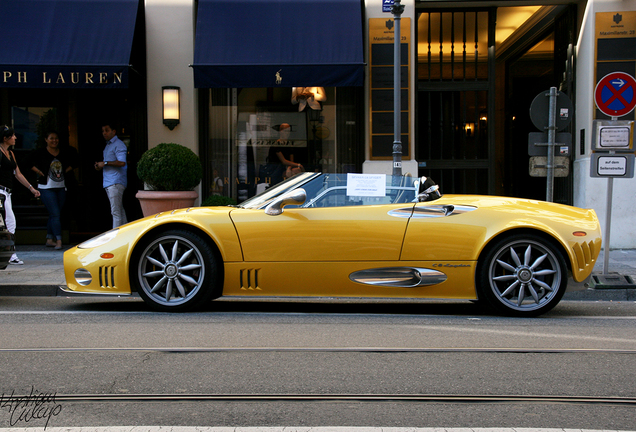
(257, 137)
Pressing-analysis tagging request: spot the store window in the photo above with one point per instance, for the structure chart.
(255, 137)
(31, 123)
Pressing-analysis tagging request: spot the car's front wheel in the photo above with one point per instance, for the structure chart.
(522, 275)
(175, 271)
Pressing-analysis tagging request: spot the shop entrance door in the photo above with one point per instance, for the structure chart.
(454, 137)
(478, 71)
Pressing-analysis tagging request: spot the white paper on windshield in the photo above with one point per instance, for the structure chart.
(366, 185)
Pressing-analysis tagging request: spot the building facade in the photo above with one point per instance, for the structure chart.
(470, 72)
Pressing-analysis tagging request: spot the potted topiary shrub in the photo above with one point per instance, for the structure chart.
(218, 201)
(170, 172)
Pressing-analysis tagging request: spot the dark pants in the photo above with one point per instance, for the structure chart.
(53, 200)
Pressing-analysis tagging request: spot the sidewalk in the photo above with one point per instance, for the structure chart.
(42, 274)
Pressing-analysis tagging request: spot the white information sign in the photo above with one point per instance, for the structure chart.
(366, 185)
(619, 165)
(615, 137)
(612, 165)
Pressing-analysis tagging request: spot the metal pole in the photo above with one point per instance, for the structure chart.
(397, 10)
(608, 224)
(551, 143)
(608, 219)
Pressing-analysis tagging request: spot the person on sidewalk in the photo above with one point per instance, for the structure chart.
(9, 169)
(52, 164)
(115, 173)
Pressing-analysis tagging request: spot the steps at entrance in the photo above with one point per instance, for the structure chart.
(31, 217)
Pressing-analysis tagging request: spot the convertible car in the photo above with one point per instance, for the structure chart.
(347, 235)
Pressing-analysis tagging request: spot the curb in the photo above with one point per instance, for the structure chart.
(30, 290)
(603, 294)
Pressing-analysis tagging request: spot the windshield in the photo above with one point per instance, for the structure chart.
(339, 190)
(265, 197)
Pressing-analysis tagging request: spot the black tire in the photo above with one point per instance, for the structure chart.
(522, 275)
(175, 271)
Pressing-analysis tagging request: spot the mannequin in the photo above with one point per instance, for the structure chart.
(311, 96)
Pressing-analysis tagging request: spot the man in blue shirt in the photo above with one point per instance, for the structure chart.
(115, 173)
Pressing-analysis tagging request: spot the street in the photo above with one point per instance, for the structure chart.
(95, 361)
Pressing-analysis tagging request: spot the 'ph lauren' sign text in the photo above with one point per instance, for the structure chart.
(64, 77)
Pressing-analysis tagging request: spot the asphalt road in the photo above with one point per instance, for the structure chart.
(100, 362)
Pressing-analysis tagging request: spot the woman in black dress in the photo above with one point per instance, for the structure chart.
(8, 170)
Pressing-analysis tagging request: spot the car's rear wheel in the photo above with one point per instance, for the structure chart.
(522, 275)
(175, 271)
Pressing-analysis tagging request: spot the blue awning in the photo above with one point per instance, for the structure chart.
(278, 43)
(66, 43)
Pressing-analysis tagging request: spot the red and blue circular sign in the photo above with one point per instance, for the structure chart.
(615, 94)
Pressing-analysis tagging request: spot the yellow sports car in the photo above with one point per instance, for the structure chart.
(348, 235)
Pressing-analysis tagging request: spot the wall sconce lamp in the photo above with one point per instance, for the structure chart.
(170, 106)
(469, 129)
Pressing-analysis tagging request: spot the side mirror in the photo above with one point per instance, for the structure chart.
(428, 190)
(296, 196)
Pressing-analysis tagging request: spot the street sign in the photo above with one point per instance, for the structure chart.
(614, 94)
(612, 165)
(540, 108)
(538, 144)
(550, 112)
(387, 5)
(613, 135)
(539, 166)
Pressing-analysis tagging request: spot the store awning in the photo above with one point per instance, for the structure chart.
(278, 43)
(66, 43)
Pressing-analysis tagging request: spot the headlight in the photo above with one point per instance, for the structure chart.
(99, 240)
(83, 277)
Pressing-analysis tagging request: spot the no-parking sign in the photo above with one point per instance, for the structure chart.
(615, 94)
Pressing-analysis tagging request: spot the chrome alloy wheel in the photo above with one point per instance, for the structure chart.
(526, 275)
(171, 270)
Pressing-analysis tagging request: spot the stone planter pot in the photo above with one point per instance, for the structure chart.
(153, 202)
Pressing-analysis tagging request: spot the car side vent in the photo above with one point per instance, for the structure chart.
(584, 252)
(427, 211)
(107, 277)
(249, 279)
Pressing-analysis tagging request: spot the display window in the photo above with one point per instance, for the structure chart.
(253, 138)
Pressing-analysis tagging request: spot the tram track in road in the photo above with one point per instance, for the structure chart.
(185, 350)
(362, 398)
(358, 398)
(513, 385)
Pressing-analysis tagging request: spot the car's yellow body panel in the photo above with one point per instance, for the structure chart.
(314, 251)
(360, 233)
(212, 221)
(463, 236)
(331, 279)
